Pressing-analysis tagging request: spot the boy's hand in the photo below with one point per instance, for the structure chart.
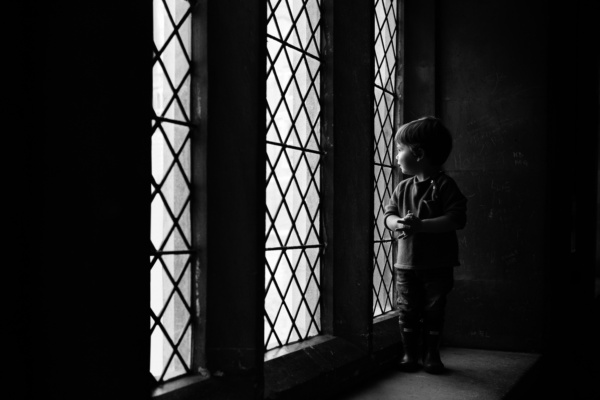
(407, 225)
(400, 226)
(401, 229)
(411, 222)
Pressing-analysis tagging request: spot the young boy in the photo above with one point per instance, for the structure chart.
(426, 209)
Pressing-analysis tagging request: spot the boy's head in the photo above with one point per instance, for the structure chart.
(426, 137)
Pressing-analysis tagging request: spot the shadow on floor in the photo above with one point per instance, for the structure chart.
(568, 372)
(472, 374)
(485, 375)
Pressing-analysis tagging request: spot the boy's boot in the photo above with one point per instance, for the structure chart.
(431, 360)
(410, 345)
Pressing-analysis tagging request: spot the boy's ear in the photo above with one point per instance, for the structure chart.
(419, 153)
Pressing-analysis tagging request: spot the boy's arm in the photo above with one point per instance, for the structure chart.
(454, 217)
(394, 223)
(392, 220)
(442, 223)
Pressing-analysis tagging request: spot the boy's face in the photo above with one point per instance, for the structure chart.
(406, 160)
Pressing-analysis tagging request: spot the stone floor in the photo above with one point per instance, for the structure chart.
(571, 373)
(472, 375)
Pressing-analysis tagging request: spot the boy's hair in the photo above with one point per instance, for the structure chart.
(428, 134)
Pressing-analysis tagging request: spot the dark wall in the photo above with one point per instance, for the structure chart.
(85, 123)
(508, 87)
(492, 82)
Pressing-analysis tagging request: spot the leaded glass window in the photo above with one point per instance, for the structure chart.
(171, 242)
(386, 52)
(293, 236)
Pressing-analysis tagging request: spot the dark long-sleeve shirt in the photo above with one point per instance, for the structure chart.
(432, 198)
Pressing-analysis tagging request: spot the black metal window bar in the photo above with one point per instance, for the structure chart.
(170, 234)
(294, 243)
(386, 32)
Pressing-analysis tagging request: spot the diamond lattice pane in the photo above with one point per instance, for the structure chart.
(293, 184)
(172, 62)
(170, 227)
(386, 32)
(383, 299)
(383, 191)
(170, 310)
(170, 196)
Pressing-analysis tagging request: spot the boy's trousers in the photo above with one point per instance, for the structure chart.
(421, 294)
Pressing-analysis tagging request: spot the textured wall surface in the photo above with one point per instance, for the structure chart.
(492, 89)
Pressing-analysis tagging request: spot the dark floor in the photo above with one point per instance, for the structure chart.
(570, 373)
(472, 374)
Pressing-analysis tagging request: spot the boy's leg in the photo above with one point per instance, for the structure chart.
(438, 283)
(409, 302)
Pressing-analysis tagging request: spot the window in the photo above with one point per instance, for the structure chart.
(171, 227)
(290, 305)
(386, 121)
(294, 241)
